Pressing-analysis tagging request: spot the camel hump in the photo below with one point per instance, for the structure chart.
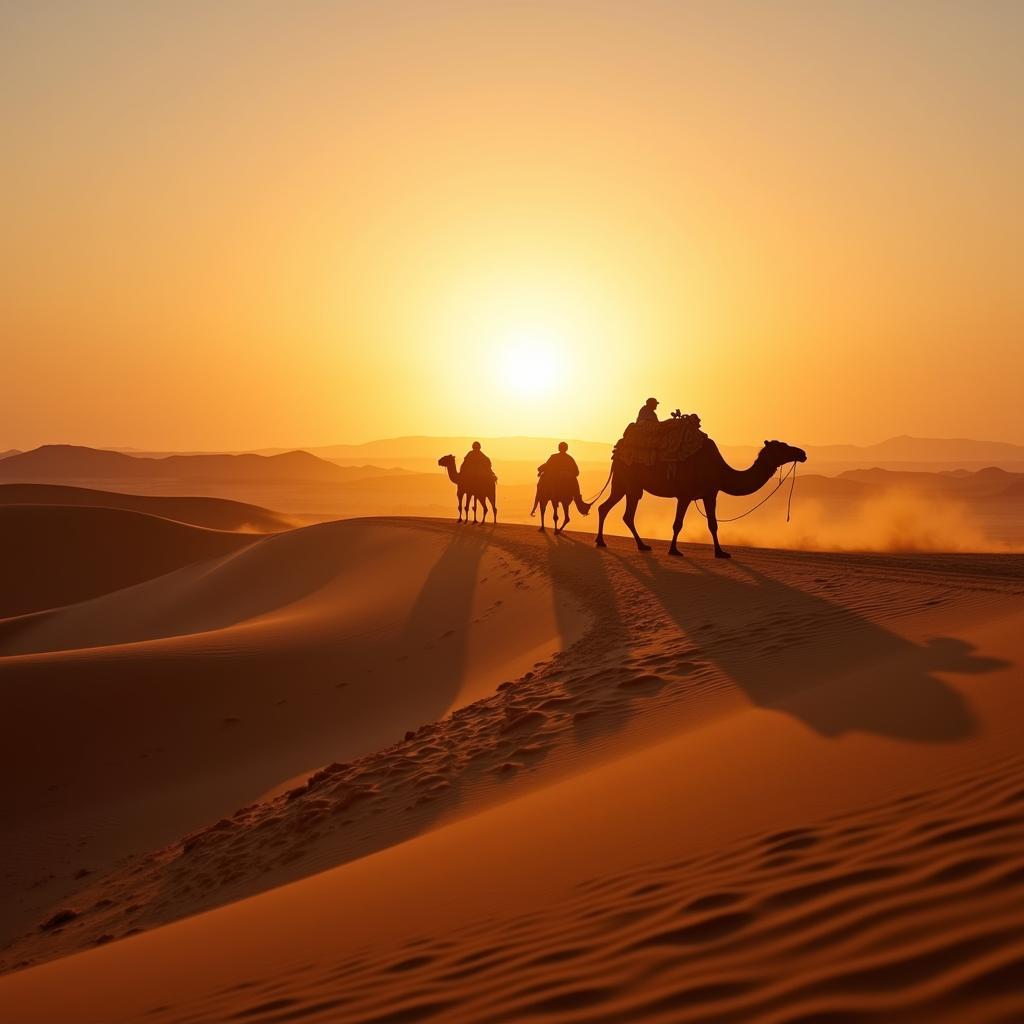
(672, 440)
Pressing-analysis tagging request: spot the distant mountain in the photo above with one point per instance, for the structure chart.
(64, 463)
(860, 484)
(924, 449)
(9, 452)
(897, 452)
(423, 449)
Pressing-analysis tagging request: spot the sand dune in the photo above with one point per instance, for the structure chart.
(55, 556)
(210, 513)
(784, 788)
(148, 711)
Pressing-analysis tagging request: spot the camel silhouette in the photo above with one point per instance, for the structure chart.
(480, 491)
(557, 489)
(701, 476)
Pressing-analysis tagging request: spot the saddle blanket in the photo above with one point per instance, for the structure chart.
(673, 440)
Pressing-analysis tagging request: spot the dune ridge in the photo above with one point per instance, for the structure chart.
(908, 909)
(55, 555)
(465, 774)
(211, 513)
(261, 663)
(655, 661)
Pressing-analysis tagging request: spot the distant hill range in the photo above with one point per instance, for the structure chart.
(426, 450)
(515, 459)
(933, 452)
(965, 484)
(69, 463)
(904, 453)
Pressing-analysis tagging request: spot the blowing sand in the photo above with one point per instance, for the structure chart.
(554, 784)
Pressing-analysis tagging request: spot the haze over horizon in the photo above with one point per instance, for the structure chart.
(235, 228)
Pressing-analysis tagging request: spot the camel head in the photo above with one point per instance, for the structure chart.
(446, 461)
(778, 453)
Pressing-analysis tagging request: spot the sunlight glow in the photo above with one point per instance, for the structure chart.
(531, 362)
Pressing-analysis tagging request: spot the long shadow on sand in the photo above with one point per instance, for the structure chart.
(788, 649)
(446, 596)
(822, 662)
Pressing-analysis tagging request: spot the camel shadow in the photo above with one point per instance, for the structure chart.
(446, 597)
(570, 558)
(825, 664)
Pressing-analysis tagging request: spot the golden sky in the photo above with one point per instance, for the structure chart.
(254, 224)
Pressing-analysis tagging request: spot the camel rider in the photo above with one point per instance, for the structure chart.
(477, 465)
(561, 465)
(647, 413)
(561, 468)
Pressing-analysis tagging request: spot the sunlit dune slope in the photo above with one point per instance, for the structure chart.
(786, 788)
(211, 513)
(53, 555)
(148, 711)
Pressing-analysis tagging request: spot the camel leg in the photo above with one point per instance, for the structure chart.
(710, 501)
(565, 517)
(604, 508)
(682, 504)
(483, 509)
(494, 509)
(543, 509)
(629, 517)
(459, 498)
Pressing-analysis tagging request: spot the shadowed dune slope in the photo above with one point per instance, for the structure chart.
(781, 789)
(751, 872)
(210, 513)
(148, 711)
(52, 555)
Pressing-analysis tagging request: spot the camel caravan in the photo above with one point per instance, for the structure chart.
(670, 458)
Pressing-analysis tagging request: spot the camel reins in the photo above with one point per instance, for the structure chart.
(603, 489)
(791, 472)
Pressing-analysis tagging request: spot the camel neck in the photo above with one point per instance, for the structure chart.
(746, 481)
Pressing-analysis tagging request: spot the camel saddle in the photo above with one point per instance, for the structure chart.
(673, 440)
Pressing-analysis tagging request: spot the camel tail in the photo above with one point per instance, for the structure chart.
(536, 502)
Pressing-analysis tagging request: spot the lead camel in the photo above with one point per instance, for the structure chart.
(702, 476)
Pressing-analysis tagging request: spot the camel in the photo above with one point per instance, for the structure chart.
(470, 489)
(559, 490)
(701, 476)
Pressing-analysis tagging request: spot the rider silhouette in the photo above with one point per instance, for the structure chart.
(647, 413)
(560, 464)
(476, 465)
(561, 467)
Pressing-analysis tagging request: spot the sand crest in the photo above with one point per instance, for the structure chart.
(778, 789)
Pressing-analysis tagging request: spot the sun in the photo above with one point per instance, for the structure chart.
(531, 362)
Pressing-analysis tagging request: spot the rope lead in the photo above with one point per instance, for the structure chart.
(791, 472)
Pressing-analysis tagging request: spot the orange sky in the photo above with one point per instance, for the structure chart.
(246, 225)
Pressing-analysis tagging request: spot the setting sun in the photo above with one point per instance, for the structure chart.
(531, 363)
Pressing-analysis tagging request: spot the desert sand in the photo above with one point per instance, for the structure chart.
(402, 770)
